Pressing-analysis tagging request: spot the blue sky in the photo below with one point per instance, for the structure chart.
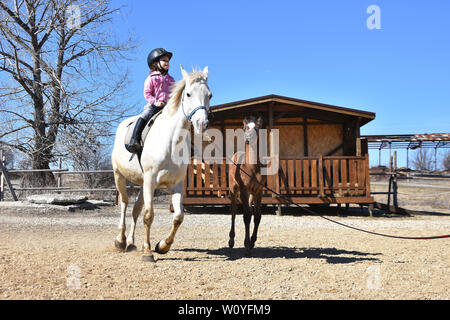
(314, 50)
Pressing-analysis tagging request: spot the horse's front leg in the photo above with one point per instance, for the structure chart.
(233, 216)
(256, 218)
(163, 246)
(148, 190)
(247, 219)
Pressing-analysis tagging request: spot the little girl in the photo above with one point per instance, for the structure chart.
(156, 92)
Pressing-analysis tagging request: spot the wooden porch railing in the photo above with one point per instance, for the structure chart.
(333, 177)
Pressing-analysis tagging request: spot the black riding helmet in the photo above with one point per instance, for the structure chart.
(157, 53)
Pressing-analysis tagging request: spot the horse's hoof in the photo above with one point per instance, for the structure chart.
(131, 247)
(148, 258)
(231, 243)
(120, 245)
(163, 248)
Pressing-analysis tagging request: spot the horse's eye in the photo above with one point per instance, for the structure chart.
(210, 96)
(189, 95)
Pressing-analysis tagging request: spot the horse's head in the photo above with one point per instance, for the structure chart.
(195, 100)
(251, 128)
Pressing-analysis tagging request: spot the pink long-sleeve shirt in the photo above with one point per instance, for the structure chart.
(157, 87)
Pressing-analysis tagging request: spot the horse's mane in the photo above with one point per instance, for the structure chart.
(176, 91)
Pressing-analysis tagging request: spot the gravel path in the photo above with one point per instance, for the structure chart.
(46, 254)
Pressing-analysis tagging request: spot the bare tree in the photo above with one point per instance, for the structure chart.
(446, 161)
(60, 73)
(423, 160)
(85, 151)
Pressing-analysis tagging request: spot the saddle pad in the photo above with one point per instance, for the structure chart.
(144, 133)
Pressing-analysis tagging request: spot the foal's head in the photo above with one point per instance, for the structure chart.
(251, 127)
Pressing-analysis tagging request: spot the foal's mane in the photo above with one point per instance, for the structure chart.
(176, 93)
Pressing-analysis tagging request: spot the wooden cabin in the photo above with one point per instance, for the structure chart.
(322, 159)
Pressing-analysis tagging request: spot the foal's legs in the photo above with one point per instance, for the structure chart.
(163, 246)
(256, 218)
(120, 181)
(136, 212)
(148, 190)
(233, 195)
(247, 218)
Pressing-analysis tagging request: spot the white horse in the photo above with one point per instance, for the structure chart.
(160, 159)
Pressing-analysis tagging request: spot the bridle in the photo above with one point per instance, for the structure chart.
(191, 114)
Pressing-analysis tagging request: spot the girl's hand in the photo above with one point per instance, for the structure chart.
(160, 104)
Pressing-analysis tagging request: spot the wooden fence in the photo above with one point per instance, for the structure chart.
(4, 177)
(314, 180)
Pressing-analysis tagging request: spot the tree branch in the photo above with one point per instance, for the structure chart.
(16, 17)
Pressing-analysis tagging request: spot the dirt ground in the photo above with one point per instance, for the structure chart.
(71, 255)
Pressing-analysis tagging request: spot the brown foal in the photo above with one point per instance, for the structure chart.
(246, 184)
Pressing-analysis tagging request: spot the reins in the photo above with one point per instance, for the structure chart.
(328, 219)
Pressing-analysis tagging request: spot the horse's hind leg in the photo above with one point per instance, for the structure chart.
(120, 181)
(136, 212)
(163, 246)
(148, 190)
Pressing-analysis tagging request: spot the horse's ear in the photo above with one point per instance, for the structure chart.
(245, 122)
(183, 72)
(259, 122)
(205, 71)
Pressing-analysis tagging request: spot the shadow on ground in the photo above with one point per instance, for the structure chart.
(325, 210)
(331, 255)
(286, 210)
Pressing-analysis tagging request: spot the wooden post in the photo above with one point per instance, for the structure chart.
(320, 168)
(407, 158)
(275, 176)
(59, 175)
(394, 190)
(222, 128)
(435, 158)
(358, 137)
(389, 195)
(5, 177)
(395, 160)
(305, 138)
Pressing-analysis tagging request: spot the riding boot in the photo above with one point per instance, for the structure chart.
(134, 146)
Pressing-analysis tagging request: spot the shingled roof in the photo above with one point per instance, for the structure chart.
(365, 116)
